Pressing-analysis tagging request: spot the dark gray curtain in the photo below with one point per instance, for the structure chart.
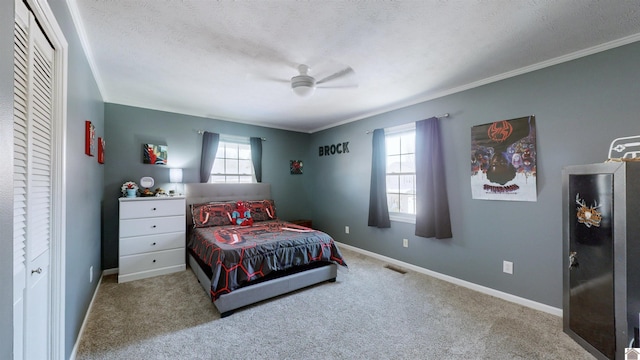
(378, 209)
(256, 156)
(209, 150)
(432, 206)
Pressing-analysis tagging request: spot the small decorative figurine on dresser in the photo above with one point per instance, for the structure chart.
(241, 215)
(129, 189)
(147, 192)
(146, 183)
(160, 192)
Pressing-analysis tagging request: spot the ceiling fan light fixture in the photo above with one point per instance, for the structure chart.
(303, 85)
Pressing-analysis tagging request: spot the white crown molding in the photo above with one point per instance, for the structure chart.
(509, 74)
(86, 47)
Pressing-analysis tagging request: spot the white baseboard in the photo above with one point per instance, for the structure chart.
(112, 271)
(469, 285)
(86, 317)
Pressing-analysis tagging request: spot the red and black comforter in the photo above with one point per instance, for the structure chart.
(238, 255)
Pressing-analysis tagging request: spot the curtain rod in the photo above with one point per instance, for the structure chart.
(441, 116)
(200, 132)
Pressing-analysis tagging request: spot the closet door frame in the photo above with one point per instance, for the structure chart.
(49, 25)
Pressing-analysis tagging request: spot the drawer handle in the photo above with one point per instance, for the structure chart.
(153, 226)
(154, 209)
(153, 244)
(154, 260)
(38, 270)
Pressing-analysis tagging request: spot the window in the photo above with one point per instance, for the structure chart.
(233, 161)
(400, 145)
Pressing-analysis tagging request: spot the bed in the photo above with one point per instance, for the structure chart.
(242, 265)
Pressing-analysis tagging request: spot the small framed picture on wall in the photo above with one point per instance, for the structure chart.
(100, 150)
(90, 136)
(295, 166)
(154, 154)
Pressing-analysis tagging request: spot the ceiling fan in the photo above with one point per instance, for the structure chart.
(304, 85)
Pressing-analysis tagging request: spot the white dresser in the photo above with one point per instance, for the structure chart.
(151, 237)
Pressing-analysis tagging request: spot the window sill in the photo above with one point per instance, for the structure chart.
(405, 218)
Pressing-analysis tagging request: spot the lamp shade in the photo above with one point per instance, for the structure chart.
(175, 175)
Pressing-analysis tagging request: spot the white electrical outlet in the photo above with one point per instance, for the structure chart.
(90, 274)
(507, 267)
(405, 242)
(346, 229)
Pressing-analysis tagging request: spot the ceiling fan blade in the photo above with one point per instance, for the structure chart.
(346, 71)
(252, 77)
(284, 81)
(338, 87)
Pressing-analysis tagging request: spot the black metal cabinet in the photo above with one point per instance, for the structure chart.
(601, 256)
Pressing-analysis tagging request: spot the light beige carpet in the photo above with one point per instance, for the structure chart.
(371, 312)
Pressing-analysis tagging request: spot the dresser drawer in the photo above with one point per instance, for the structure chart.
(149, 243)
(151, 208)
(151, 237)
(151, 226)
(151, 261)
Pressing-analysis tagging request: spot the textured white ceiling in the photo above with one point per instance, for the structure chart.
(225, 59)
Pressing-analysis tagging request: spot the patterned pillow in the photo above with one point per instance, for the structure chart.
(212, 214)
(262, 210)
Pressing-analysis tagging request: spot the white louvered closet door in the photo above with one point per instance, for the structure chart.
(33, 65)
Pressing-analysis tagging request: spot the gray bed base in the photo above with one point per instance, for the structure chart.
(227, 303)
(252, 294)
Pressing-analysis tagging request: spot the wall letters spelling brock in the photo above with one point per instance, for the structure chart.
(341, 148)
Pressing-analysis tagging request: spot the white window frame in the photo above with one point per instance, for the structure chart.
(220, 156)
(395, 131)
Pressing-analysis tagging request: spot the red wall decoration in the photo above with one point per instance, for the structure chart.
(90, 135)
(100, 150)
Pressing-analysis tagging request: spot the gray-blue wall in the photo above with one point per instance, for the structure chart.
(580, 107)
(127, 128)
(6, 180)
(84, 181)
